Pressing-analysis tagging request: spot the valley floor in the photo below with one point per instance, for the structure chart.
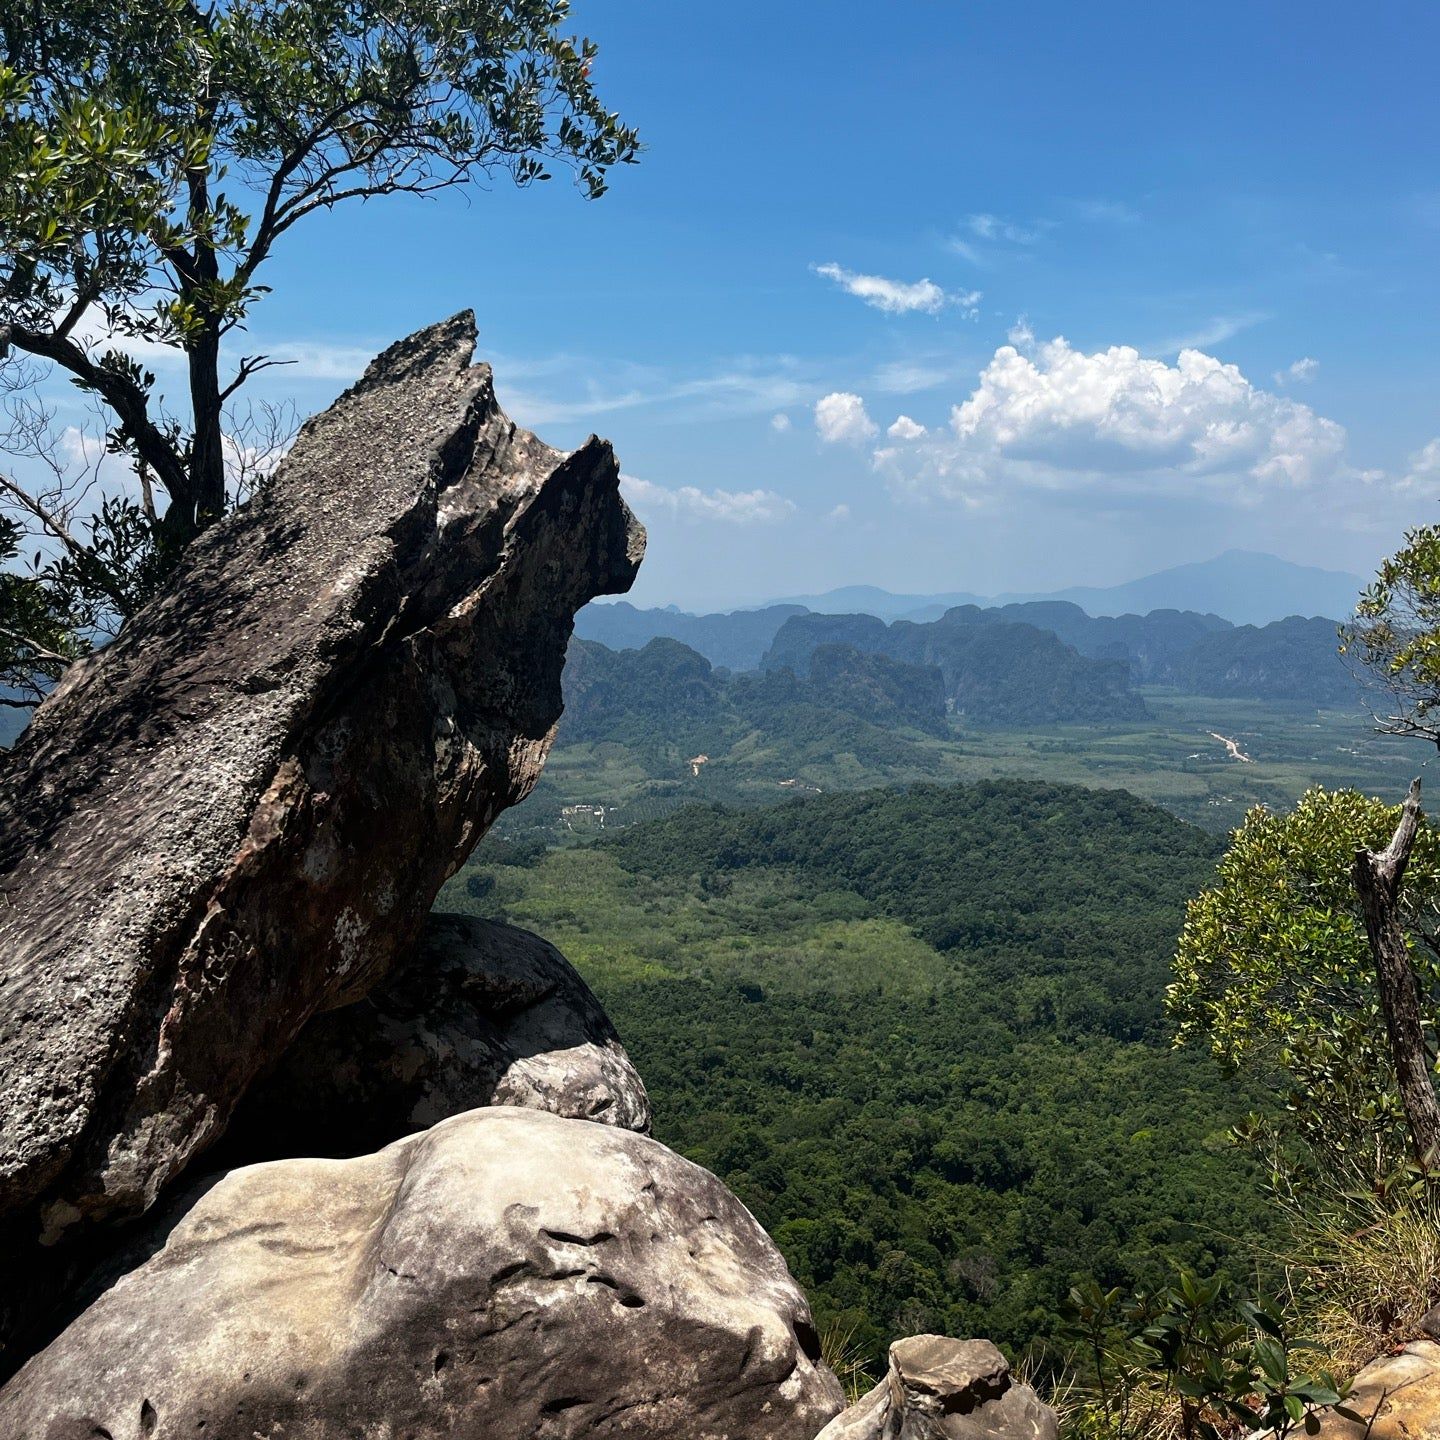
(1172, 758)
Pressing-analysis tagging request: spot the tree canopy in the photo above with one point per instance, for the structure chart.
(155, 152)
(1274, 972)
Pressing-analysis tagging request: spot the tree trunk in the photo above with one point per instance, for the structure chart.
(206, 502)
(1378, 878)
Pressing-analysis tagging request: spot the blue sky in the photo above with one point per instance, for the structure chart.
(1254, 184)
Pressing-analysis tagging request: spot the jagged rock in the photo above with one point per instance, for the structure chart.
(942, 1389)
(239, 813)
(505, 1274)
(482, 1014)
(1396, 1397)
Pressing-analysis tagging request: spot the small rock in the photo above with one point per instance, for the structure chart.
(943, 1389)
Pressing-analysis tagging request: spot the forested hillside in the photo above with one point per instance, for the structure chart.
(666, 696)
(995, 674)
(919, 1032)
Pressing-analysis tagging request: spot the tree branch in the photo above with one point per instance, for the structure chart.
(122, 395)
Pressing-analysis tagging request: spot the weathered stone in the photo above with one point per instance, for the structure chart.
(505, 1274)
(481, 1014)
(1396, 1397)
(943, 1389)
(238, 814)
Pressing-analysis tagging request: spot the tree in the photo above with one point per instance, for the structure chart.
(1379, 879)
(155, 152)
(1394, 640)
(1275, 970)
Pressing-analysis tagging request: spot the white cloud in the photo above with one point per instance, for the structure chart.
(839, 515)
(904, 428)
(780, 422)
(687, 502)
(1423, 471)
(897, 297)
(1298, 373)
(840, 419)
(1120, 423)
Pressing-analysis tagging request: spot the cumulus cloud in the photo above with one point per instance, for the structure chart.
(897, 297)
(1119, 422)
(841, 419)
(904, 428)
(839, 515)
(1298, 373)
(1423, 471)
(687, 502)
(780, 422)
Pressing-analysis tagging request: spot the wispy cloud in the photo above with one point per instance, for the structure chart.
(995, 227)
(1299, 373)
(744, 386)
(898, 297)
(688, 502)
(982, 238)
(1105, 212)
(1215, 331)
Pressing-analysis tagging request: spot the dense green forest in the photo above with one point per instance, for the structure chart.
(919, 1032)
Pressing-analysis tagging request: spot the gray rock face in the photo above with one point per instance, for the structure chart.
(943, 1389)
(238, 814)
(507, 1273)
(482, 1014)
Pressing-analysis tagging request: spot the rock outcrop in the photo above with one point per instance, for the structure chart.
(507, 1273)
(942, 1389)
(1397, 1397)
(481, 1014)
(238, 814)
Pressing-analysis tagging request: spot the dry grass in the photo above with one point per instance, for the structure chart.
(1364, 1271)
(840, 1352)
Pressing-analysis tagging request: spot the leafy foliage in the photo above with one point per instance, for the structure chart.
(1396, 635)
(1193, 1361)
(38, 636)
(155, 152)
(1274, 973)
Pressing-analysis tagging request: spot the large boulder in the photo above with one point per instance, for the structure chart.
(238, 814)
(507, 1273)
(481, 1014)
(942, 1389)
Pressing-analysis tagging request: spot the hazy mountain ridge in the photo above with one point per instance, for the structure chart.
(1245, 587)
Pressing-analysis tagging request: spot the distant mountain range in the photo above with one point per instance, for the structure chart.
(992, 656)
(1243, 586)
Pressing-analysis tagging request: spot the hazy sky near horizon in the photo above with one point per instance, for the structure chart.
(939, 297)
